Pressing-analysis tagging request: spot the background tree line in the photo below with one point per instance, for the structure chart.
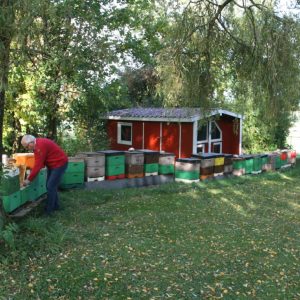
(63, 63)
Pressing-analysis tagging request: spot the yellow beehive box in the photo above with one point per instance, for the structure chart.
(219, 161)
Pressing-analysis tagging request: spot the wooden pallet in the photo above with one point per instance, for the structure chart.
(27, 207)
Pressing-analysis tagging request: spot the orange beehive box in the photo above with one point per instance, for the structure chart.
(26, 159)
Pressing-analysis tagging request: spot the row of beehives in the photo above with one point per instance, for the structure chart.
(113, 164)
(209, 165)
(110, 165)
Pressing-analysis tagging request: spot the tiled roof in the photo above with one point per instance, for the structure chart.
(141, 112)
(184, 113)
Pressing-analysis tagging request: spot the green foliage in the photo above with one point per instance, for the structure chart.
(84, 141)
(66, 63)
(7, 234)
(243, 58)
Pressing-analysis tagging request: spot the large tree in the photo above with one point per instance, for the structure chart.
(239, 54)
(7, 30)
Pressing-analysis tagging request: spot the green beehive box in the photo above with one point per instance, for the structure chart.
(257, 164)
(33, 192)
(150, 168)
(248, 165)
(42, 189)
(113, 170)
(166, 169)
(43, 175)
(264, 159)
(238, 164)
(75, 167)
(278, 162)
(187, 175)
(72, 177)
(9, 185)
(12, 202)
(25, 194)
(114, 160)
(35, 182)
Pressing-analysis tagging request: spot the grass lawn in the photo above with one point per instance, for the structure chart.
(237, 238)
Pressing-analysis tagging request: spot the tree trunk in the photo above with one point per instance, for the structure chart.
(6, 31)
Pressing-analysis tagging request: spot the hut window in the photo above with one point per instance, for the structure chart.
(216, 133)
(125, 133)
(200, 148)
(217, 148)
(202, 133)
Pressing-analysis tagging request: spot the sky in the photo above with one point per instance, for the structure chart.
(288, 6)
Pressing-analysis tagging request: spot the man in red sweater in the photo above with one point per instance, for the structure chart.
(50, 155)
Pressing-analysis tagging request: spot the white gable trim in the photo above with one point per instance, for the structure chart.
(176, 120)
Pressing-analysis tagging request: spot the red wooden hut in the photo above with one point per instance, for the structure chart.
(182, 131)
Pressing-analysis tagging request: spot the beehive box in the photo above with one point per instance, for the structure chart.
(134, 171)
(25, 194)
(248, 163)
(219, 165)
(228, 163)
(11, 202)
(207, 164)
(272, 158)
(166, 159)
(265, 166)
(166, 163)
(166, 169)
(150, 156)
(74, 173)
(134, 164)
(238, 164)
(187, 169)
(293, 156)
(284, 159)
(94, 163)
(9, 184)
(134, 158)
(151, 161)
(75, 164)
(114, 164)
(257, 164)
(34, 189)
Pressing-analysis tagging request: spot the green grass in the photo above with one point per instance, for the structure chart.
(237, 238)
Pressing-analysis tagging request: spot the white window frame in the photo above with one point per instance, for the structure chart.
(221, 134)
(203, 147)
(207, 133)
(218, 143)
(120, 141)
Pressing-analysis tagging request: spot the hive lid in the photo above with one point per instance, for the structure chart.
(207, 155)
(133, 152)
(246, 156)
(227, 155)
(163, 153)
(89, 154)
(190, 160)
(147, 151)
(111, 152)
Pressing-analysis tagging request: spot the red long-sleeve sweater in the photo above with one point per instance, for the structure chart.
(46, 153)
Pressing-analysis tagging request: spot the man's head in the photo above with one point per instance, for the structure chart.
(28, 142)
